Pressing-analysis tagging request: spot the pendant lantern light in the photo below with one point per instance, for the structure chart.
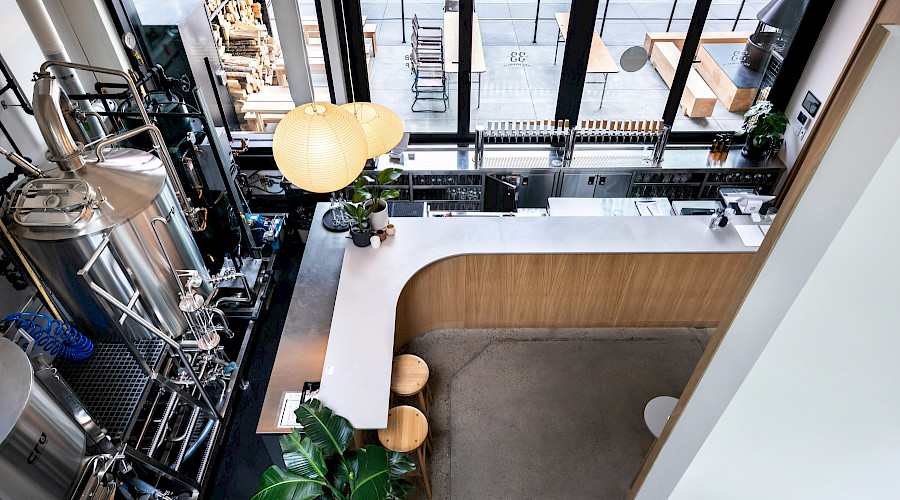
(383, 128)
(320, 147)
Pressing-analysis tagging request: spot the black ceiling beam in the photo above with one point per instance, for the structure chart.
(686, 62)
(575, 58)
(464, 88)
(354, 48)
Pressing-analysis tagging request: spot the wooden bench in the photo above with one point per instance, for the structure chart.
(369, 32)
(310, 26)
(317, 56)
(721, 68)
(698, 100)
(677, 37)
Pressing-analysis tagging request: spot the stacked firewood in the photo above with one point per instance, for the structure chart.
(249, 54)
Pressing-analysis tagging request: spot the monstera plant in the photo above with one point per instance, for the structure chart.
(320, 467)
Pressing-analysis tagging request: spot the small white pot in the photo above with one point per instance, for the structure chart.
(378, 220)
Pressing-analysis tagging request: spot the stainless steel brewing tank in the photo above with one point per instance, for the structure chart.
(41, 446)
(136, 190)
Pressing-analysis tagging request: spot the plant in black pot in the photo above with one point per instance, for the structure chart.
(360, 230)
(763, 129)
(374, 198)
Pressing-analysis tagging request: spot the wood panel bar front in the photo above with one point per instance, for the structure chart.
(569, 291)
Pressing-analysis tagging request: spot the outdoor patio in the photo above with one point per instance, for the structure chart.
(521, 80)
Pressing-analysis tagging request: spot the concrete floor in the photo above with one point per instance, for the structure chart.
(521, 81)
(546, 413)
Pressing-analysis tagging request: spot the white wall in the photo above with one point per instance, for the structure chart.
(23, 56)
(837, 40)
(859, 152)
(87, 32)
(817, 416)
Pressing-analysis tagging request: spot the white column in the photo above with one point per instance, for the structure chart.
(293, 49)
(335, 55)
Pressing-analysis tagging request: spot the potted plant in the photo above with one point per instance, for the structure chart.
(360, 229)
(319, 465)
(374, 198)
(763, 129)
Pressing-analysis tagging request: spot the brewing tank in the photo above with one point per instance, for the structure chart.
(41, 446)
(60, 220)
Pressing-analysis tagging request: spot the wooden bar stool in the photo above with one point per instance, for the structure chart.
(409, 377)
(407, 430)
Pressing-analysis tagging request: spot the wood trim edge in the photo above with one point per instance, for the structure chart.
(851, 80)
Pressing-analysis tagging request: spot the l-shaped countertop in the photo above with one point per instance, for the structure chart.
(340, 323)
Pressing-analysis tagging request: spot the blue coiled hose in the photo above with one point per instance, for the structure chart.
(56, 337)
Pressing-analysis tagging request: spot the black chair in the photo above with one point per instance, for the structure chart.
(430, 83)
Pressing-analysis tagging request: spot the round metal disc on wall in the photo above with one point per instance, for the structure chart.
(633, 59)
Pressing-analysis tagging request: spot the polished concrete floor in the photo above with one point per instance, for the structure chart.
(516, 410)
(547, 413)
(522, 81)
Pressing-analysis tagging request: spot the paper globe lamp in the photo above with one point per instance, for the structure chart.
(319, 147)
(383, 128)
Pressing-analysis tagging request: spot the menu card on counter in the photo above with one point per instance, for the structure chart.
(646, 208)
(290, 401)
(752, 236)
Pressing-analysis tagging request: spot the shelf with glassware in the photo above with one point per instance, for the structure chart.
(702, 185)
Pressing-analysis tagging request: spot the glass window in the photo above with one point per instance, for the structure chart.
(516, 76)
(742, 43)
(736, 48)
(310, 23)
(632, 92)
(410, 72)
(247, 33)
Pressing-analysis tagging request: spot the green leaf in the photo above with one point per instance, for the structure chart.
(358, 213)
(330, 432)
(341, 478)
(361, 194)
(389, 175)
(399, 464)
(389, 194)
(302, 457)
(373, 481)
(400, 488)
(278, 484)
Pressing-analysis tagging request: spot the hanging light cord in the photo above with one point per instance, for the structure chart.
(347, 44)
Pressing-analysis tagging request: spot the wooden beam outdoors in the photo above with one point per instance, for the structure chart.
(698, 100)
(677, 37)
(855, 72)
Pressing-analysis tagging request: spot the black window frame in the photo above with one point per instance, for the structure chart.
(574, 68)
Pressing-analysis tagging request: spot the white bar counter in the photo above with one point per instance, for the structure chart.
(357, 365)
(603, 207)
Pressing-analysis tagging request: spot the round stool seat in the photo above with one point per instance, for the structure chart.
(406, 429)
(657, 412)
(409, 374)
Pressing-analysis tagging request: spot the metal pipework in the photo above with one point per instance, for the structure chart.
(176, 347)
(154, 132)
(48, 110)
(163, 422)
(569, 151)
(211, 407)
(194, 308)
(184, 444)
(158, 142)
(479, 146)
(29, 169)
(660, 147)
